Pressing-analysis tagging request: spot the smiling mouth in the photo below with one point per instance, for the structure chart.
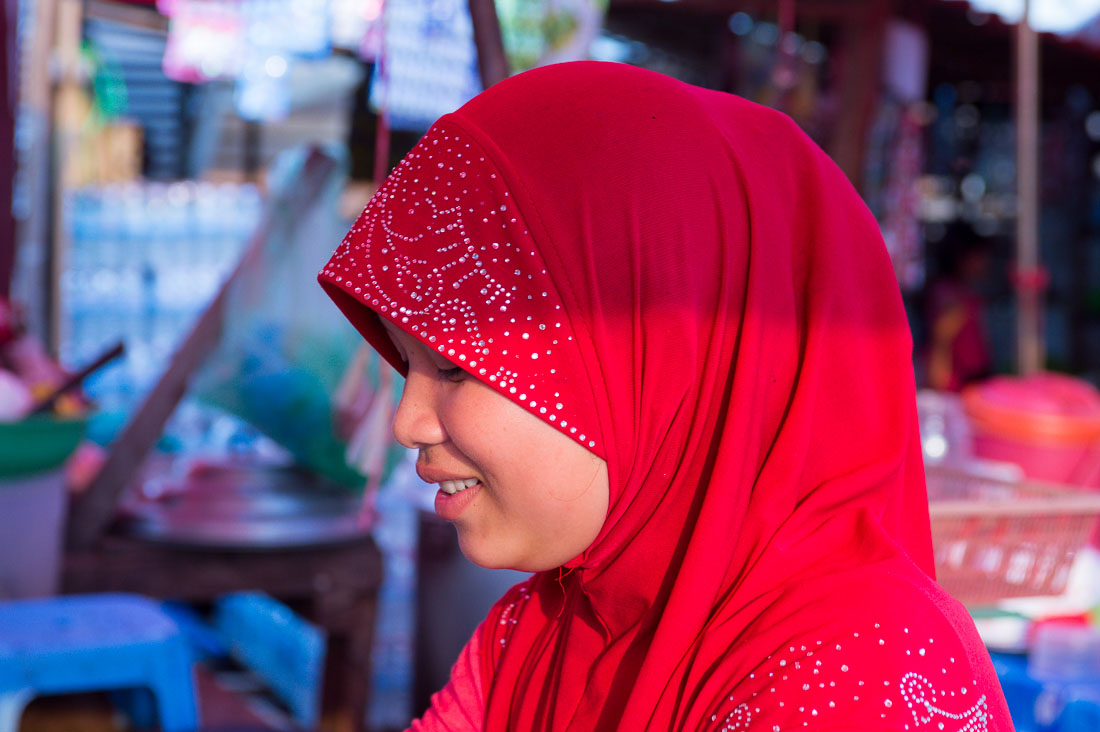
(450, 487)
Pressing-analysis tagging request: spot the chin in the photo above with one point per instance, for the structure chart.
(483, 555)
(490, 555)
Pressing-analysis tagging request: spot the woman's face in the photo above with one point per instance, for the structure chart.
(539, 498)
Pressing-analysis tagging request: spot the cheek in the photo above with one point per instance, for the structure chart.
(575, 479)
(488, 426)
(582, 495)
(537, 473)
(477, 424)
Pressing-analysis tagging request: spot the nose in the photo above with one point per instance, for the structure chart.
(416, 424)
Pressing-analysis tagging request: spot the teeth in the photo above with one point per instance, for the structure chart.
(450, 487)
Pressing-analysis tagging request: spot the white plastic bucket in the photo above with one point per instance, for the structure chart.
(32, 521)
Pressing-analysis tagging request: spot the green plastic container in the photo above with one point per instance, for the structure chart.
(38, 444)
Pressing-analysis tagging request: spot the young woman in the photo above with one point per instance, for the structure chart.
(655, 354)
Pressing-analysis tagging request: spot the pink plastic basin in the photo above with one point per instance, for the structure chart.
(1048, 424)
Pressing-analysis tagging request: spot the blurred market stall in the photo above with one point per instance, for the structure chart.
(158, 147)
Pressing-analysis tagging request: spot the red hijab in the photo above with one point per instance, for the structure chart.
(684, 283)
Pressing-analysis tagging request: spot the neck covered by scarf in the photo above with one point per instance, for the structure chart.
(686, 285)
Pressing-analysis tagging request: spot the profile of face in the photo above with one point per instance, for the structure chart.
(521, 494)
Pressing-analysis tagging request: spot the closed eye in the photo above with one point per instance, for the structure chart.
(455, 374)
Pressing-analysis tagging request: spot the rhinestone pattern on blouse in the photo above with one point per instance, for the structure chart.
(442, 251)
(508, 619)
(917, 701)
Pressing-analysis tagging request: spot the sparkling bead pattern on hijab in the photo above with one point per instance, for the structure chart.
(442, 252)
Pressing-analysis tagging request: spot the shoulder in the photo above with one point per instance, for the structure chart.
(890, 652)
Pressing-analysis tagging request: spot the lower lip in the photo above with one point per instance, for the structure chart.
(449, 506)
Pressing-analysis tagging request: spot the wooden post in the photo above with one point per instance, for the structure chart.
(861, 48)
(250, 162)
(492, 63)
(34, 229)
(65, 100)
(9, 81)
(1030, 281)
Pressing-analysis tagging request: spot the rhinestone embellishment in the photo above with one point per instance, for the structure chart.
(442, 252)
(915, 703)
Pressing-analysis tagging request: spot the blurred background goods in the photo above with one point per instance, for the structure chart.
(189, 432)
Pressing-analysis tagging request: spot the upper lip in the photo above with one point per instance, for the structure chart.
(429, 474)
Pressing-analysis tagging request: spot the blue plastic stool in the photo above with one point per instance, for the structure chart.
(94, 643)
(1024, 694)
(285, 651)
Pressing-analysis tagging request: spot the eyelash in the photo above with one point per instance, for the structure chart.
(454, 374)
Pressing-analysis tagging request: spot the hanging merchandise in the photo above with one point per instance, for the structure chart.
(96, 141)
(217, 39)
(901, 224)
(539, 32)
(276, 33)
(521, 26)
(205, 40)
(292, 27)
(263, 89)
(782, 70)
(895, 155)
(356, 25)
(429, 63)
(254, 42)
